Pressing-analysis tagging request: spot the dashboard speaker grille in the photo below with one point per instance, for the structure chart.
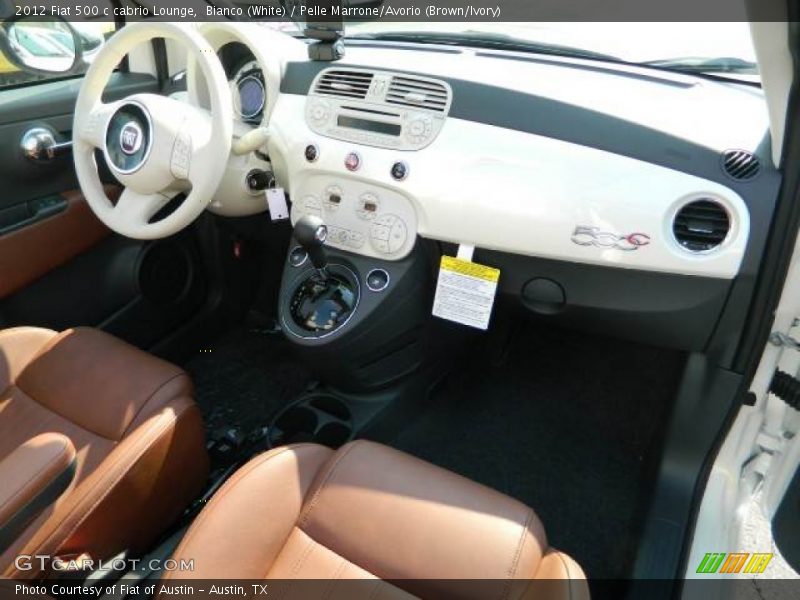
(344, 84)
(418, 93)
(740, 164)
(701, 225)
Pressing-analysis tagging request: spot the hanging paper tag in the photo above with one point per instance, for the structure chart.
(465, 292)
(276, 201)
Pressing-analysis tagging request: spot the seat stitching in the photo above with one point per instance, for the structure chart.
(51, 411)
(149, 398)
(47, 346)
(109, 487)
(53, 460)
(336, 577)
(315, 498)
(12, 383)
(310, 546)
(566, 570)
(517, 554)
(228, 487)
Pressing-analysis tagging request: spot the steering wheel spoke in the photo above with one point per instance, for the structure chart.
(137, 208)
(194, 152)
(91, 128)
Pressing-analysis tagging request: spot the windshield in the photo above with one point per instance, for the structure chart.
(700, 47)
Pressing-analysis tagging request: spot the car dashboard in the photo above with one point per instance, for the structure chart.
(635, 193)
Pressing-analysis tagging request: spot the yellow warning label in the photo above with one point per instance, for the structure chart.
(470, 269)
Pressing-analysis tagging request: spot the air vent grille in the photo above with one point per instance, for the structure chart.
(418, 93)
(740, 164)
(701, 226)
(344, 84)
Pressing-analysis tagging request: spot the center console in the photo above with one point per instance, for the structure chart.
(363, 325)
(357, 287)
(362, 218)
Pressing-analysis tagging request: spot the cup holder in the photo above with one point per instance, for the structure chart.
(320, 418)
(333, 435)
(301, 422)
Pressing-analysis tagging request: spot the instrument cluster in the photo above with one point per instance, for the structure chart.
(246, 79)
(250, 93)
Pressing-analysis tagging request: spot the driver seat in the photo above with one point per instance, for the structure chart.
(116, 426)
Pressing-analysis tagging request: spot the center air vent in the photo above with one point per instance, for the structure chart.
(418, 93)
(701, 225)
(344, 83)
(740, 164)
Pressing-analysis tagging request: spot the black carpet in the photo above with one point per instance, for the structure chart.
(244, 377)
(565, 424)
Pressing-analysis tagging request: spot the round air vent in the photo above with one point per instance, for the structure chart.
(740, 164)
(701, 225)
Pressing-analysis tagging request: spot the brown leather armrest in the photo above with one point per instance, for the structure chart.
(34, 476)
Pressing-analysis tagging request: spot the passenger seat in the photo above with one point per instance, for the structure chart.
(389, 524)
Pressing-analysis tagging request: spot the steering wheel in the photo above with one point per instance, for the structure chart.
(157, 147)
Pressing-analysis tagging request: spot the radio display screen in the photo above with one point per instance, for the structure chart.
(365, 125)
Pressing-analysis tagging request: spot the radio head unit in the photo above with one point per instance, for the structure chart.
(378, 108)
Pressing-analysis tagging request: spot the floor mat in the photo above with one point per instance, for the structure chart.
(566, 425)
(244, 377)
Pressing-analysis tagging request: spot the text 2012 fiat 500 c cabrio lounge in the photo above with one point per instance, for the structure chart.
(380, 309)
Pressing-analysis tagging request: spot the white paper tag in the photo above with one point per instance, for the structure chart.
(276, 201)
(465, 292)
(465, 252)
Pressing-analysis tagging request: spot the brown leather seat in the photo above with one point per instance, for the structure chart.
(127, 422)
(392, 525)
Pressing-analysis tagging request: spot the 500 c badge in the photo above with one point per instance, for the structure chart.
(593, 236)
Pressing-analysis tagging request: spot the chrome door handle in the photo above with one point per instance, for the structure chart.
(39, 145)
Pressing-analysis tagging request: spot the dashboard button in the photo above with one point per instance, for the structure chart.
(313, 205)
(356, 239)
(338, 236)
(312, 153)
(368, 205)
(181, 155)
(380, 245)
(297, 257)
(400, 170)
(397, 236)
(352, 161)
(380, 232)
(377, 280)
(333, 198)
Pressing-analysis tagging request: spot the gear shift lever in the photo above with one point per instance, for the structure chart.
(311, 232)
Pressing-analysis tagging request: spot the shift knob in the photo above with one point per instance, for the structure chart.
(311, 233)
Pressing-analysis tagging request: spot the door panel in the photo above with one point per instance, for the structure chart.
(59, 265)
(49, 105)
(29, 252)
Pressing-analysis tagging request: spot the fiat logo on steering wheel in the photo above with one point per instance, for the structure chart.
(131, 137)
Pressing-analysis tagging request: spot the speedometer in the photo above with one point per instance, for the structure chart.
(251, 96)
